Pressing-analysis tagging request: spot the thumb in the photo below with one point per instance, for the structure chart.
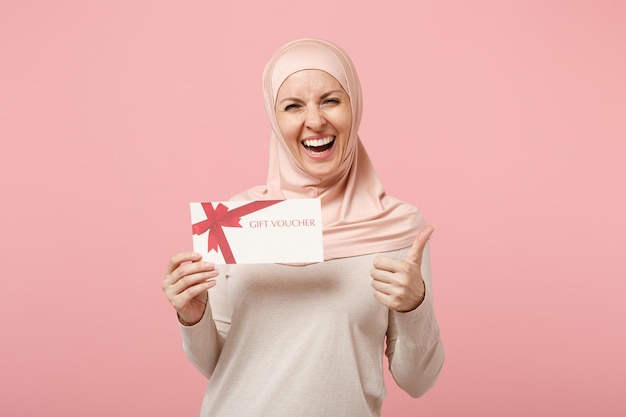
(416, 251)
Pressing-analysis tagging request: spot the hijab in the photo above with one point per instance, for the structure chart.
(358, 217)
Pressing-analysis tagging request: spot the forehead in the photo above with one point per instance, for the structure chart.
(308, 82)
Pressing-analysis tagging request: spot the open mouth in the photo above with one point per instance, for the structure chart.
(319, 146)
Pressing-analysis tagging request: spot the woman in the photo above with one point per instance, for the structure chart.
(308, 340)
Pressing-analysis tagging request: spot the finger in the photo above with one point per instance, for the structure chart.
(386, 263)
(381, 274)
(183, 299)
(187, 269)
(387, 300)
(382, 287)
(417, 250)
(180, 258)
(193, 274)
(178, 290)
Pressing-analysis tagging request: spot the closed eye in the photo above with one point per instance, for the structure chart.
(291, 106)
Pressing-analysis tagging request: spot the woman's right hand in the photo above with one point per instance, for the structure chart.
(187, 280)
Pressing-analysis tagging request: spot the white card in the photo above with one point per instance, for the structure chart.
(243, 232)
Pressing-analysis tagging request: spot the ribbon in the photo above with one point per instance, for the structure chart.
(222, 217)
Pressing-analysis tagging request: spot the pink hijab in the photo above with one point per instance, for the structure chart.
(358, 217)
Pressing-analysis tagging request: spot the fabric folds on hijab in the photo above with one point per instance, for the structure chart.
(358, 216)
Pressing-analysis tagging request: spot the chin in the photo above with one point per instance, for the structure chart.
(321, 174)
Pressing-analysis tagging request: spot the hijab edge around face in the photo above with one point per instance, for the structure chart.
(358, 216)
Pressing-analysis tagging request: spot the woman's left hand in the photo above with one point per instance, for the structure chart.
(398, 283)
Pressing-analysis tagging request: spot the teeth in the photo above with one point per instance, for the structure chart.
(318, 142)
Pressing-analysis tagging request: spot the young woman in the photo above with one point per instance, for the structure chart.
(308, 340)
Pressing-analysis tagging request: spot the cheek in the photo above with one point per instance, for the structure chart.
(286, 127)
(290, 135)
(346, 124)
(289, 132)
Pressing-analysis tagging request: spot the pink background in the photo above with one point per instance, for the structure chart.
(504, 121)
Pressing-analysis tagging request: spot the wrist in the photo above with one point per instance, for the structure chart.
(185, 322)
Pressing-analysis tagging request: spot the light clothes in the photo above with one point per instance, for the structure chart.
(287, 341)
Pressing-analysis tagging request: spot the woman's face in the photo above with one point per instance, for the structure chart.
(314, 116)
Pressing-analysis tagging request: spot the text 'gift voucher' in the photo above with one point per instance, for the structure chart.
(264, 231)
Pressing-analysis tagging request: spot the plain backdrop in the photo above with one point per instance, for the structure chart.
(504, 121)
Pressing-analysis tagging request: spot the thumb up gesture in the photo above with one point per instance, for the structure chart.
(398, 283)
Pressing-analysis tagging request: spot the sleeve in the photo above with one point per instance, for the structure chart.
(203, 341)
(414, 346)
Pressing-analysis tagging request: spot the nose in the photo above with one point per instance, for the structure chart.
(314, 119)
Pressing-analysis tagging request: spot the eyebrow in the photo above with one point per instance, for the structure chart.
(323, 96)
(333, 92)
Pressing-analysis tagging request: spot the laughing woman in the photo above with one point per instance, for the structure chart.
(308, 340)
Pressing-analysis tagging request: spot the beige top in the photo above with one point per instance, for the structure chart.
(289, 341)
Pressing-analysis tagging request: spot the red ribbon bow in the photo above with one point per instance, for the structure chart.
(221, 216)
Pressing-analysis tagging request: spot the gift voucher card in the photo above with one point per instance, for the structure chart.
(266, 231)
